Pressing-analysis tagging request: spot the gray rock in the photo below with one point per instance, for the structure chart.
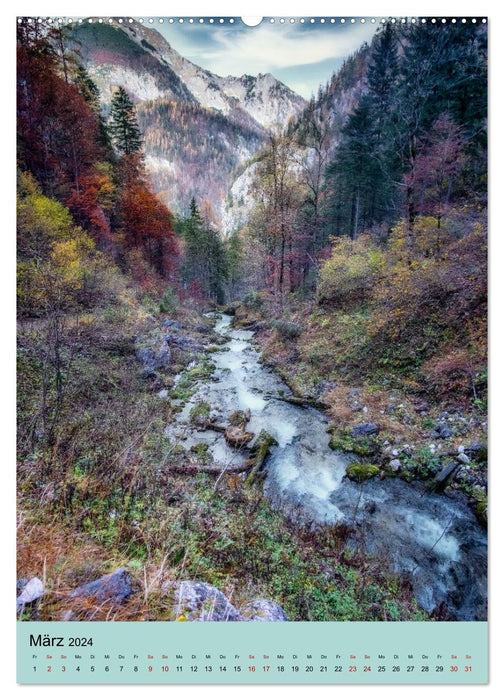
(364, 429)
(463, 458)
(262, 610)
(443, 478)
(442, 431)
(184, 342)
(477, 451)
(153, 355)
(33, 590)
(20, 584)
(323, 387)
(395, 464)
(170, 323)
(199, 602)
(115, 587)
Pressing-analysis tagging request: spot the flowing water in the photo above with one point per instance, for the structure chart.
(433, 539)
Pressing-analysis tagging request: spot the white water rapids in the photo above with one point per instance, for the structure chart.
(433, 539)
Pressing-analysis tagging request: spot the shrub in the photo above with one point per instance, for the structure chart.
(287, 330)
(351, 272)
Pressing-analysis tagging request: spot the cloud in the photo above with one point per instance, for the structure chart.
(269, 48)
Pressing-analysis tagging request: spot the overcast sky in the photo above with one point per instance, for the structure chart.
(301, 55)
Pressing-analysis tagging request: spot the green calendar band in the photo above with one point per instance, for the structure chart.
(244, 652)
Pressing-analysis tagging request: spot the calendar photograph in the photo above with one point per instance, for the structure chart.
(251, 347)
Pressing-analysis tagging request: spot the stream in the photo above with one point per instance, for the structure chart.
(432, 539)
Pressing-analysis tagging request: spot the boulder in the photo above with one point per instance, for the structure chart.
(153, 355)
(32, 590)
(361, 471)
(115, 587)
(262, 610)
(364, 430)
(197, 601)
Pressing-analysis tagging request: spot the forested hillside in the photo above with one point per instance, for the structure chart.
(177, 386)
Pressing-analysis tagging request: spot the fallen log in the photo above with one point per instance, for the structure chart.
(303, 402)
(208, 425)
(210, 468)
(261, 451)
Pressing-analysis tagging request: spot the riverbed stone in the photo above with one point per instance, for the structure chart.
(364, 430)
(114, 587)
(361, 471)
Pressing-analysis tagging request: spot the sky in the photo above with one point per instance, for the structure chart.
(303, 55)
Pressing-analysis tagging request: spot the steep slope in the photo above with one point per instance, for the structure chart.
(330, 111)
(198, 127)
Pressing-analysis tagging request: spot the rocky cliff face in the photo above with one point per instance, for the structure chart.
(198, 127)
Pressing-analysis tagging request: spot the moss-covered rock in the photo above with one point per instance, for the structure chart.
(362, 471)
(199, 413)
(200, 450)
(342, 441)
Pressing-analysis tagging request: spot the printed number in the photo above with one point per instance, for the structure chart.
(308, 669)
(367, 668)
(338, 669)
(252, 669)
(149, 669)
(107, 669)
(165, 669)
(467, 668)
(49, 669)
(323, 669)
(237, 669)
(396, 669)
(80, 642)
(281, 669)
(266, 668)
(352, 669)
(425, 669)
(194, 669)
(135, 669)
(222, 668)
(381, 669)
(295, 668)
(63, 668)
(92, 669)
(439, 669)
(453, 668)
(208, 669)
(409, 669)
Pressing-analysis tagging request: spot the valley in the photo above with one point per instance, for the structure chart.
(252, 332)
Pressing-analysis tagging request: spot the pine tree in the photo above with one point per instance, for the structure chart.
(124, 126)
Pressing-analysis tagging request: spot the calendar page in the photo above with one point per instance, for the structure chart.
(252, 350)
